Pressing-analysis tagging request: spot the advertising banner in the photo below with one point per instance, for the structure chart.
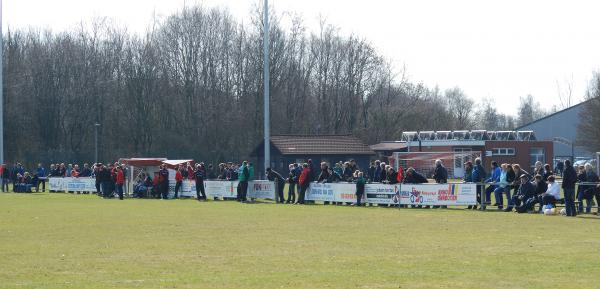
(320, 192)
(261, 190)
(382, 194)
(438, 194)
(72, 184)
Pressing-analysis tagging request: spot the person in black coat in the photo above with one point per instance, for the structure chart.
(525, 192)
(414, 177)
(105, 181)
(568, 185)
(199, 177)
(279, 183)
(440, 175)
(164, 182)
(540, 188)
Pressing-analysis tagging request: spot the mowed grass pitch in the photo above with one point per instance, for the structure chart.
(82, 241)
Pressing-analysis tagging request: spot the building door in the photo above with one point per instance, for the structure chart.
(461, 156)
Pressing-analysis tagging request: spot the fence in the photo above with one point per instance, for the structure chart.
(451, 194)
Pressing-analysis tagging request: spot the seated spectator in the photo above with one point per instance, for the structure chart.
(525, 192)
(493, 179)
(503, 187)
(552, 194)
(540, 188)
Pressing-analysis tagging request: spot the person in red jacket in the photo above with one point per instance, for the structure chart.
(190, 172)
(304, 182)
(120, 181)
(400, 176)
(178, 180)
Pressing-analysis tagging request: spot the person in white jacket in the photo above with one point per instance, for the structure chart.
(552, 194)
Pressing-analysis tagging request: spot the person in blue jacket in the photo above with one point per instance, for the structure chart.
(494, 178)
(478, 176)
(40, 174)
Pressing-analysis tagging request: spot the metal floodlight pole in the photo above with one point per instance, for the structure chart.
(266, 85)
(1, 89)
(96, 125)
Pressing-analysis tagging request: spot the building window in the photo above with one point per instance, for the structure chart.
(536, 155)
(503, 152)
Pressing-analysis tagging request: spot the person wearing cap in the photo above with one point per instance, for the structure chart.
(526, 190)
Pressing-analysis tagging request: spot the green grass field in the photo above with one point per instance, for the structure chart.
(82, 241)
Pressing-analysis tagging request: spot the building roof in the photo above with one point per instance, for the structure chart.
(552, 114)
(389, 146)
(320, 145)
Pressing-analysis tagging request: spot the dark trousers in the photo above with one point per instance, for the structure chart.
(120, 191)
(548, 199)
(106, 192)
(302, 193)
(37, 186)
(570, 202)
(359, 197)
(291, 193)
(279, 188)
(177, 187)
(200, 194)
(165, 190)
(5, 182)
(98, 188)
(588, 199)
(243, 190)
(488, 194)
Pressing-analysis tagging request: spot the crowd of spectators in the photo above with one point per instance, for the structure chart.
(523, 191)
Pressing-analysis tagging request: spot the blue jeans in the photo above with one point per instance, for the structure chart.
(291, 192)
(498, 192)
(570, 201)
(488, 193)
(581, 197)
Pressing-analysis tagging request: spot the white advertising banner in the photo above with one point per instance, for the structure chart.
(261, 190)
(72, 184)
(382, 194)
(438, 194)
(345, 192)
(320, 192)
(219, 189)
(332, 192)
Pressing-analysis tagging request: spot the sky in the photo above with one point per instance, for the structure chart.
(495, 49)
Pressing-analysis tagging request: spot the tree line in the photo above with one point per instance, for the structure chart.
(191, 86)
